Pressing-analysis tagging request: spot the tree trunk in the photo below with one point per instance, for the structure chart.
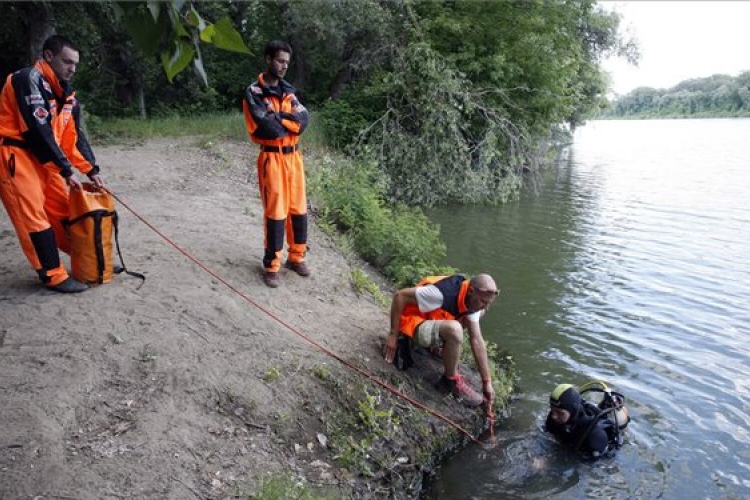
(41, 27)
(300, 65)
(344, 75)
(142, 103)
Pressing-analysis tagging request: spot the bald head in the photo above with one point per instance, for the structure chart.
(483, 282)
(482, 292)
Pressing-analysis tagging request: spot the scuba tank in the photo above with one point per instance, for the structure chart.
(613, 403)
(611, 407)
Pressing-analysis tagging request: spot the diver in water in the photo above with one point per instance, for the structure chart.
(592, 429)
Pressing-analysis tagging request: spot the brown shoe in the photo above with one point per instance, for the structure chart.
(271, 279)
(298, 267)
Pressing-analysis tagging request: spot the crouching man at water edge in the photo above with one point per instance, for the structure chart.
(434, 314)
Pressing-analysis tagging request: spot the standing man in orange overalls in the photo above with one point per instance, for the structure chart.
(275, 119)
(40, 143)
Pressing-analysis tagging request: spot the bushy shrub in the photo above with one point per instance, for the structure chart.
(342, 122)
(400, 241)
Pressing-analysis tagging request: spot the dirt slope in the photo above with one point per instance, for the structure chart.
(182, 388)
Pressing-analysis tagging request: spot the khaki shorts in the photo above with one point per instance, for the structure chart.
(428, 334)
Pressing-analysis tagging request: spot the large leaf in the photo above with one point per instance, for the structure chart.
(142, 26)
(176, 59)
(223, 35)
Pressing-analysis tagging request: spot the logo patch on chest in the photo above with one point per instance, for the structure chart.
(41, 114)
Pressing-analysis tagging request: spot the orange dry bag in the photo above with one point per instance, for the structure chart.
(90, 226)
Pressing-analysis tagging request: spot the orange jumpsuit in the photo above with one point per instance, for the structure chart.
(40, 142)
(275, 119)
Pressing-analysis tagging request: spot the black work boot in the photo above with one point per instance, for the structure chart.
(70, 285)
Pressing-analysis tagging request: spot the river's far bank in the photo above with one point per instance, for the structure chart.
(185, 388)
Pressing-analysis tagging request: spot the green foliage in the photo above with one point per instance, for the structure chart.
(342, 122)
(173, 30)
(357, 439)
(282, 487)
(382, 423)
(399, 241)
(439, 141)
(714, 96)
(492, 43)
(362, 283)
(229, 126)
(272, 375)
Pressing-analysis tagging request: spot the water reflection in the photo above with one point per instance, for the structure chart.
(632, 266)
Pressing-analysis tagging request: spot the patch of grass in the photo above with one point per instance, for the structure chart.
(226, 125)
(272, 375)
(362, 429)
(362, 283)
(322, 372)
(282, 487)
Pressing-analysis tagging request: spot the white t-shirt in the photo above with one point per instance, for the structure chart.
(429, 298)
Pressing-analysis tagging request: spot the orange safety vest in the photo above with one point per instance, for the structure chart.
(455, 299)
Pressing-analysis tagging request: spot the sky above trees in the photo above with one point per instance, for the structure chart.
(681, 40)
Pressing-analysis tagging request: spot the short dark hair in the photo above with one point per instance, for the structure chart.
(272, 48)
(56, 43)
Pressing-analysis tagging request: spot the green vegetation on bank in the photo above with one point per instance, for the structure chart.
(717, 96)
(281, 487)
(223, 125)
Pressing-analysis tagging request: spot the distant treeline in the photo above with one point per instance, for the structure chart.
(714, 96)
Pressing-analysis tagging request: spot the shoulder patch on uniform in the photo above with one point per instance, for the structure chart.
(34, 99)
(40, 114)
(256, 89)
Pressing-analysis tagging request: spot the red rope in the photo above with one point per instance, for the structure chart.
(329, 352)
(491, 419)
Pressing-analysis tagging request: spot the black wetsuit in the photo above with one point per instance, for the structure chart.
(587, 431)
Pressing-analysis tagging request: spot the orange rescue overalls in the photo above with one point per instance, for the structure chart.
(275, 119)
(40, 142)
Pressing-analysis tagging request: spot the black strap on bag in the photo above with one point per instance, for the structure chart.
(98, 216)
(115, 223)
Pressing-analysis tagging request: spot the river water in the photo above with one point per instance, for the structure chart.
(631, 265)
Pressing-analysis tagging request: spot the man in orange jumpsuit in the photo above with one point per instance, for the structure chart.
(40, 142)
(275, 119)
